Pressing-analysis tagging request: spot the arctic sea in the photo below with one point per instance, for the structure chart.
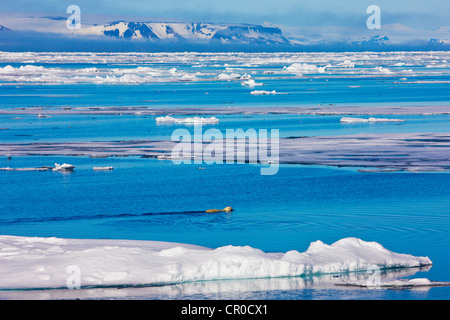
(157, 200)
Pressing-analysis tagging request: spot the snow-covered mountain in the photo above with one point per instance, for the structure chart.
(196, 32)
(377, 40)
(439, 43)
(51, 33)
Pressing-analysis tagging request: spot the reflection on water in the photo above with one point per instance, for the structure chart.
(268, 288)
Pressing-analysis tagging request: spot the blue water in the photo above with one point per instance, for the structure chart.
(148, 199)
(58, 128)
(406, 212)
(307, 92)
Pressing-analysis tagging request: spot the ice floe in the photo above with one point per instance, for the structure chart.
(63, 167)
(383, 70)
(103, 168)
(34, 262)
(228, 76)
(301, 68)
(263, 92)
(40, 74)
(169, 119)
(251, 83)
(145, 67)
(371, 119)
(396, 284)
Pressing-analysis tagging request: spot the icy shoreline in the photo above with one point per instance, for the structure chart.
(32, 262)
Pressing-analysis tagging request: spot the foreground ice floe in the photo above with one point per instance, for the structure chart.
(32, 262)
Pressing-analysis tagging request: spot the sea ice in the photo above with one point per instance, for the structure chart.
(300, 68)
(397, 283)
(169, 119)
(371, 119)
(251, 83)
(262, 92)
(33, 262)
(228, 76)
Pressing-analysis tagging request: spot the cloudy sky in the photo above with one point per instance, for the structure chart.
(416, 14)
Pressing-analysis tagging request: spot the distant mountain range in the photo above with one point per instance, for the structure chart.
(378, 40)
(185, 36)
(219, 34)
(437, 43)
(191, 32)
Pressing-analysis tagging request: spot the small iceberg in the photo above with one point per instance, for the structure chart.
(251, 83)
(169, 119)
(262, 92)
(103, 168)
(359, 120)
(63, 167)
(300, 68)
(353, 120)
(226, 76)
(382, 70)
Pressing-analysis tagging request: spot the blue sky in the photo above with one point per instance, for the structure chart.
(414, 14)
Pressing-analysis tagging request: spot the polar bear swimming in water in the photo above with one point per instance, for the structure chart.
(227, 209)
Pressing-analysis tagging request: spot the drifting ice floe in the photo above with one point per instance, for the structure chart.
(39, 74)
(33, 262)
(399, 283)
(251, 83)
(300, 68)
(313, 64)
(357, 120)
(346, 64)
(103, 168)
(63, 167)
(383, 70)
(169, 119)
(226, 76)
(262, 92)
